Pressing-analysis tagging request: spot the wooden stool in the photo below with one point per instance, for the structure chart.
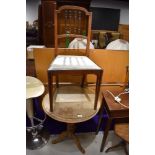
(37, 137)
(121, 130)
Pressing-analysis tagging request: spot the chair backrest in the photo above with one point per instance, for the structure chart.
(72, 22)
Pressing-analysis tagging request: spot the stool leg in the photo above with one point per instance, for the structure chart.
(30, 113)
(34, 139)
(29, 107)
(29, 110)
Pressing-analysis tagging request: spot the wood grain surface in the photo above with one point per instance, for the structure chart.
(72, 104)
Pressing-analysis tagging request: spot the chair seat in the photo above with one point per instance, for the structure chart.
(70, 62)
(122, 130)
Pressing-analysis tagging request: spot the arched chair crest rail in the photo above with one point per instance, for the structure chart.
(72, 22)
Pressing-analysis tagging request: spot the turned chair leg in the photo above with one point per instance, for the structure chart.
(113, 147)
(121, 144)
(126, 151)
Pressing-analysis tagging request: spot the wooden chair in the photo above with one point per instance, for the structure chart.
(72, 22)
(121, 130)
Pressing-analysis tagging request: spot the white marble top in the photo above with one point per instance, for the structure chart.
(69, 62)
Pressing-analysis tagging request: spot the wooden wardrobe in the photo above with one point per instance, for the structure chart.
(46, 18)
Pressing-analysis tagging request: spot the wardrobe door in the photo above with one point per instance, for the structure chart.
(48, 8)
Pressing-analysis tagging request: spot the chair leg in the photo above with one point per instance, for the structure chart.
(122, 143)
(125, 149)
(57, 81)
(113, 147)
(83, 80)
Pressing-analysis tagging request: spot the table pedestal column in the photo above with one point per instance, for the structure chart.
(70, 133)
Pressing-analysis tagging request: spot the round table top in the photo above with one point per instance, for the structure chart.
(34, 87)
(72, 104)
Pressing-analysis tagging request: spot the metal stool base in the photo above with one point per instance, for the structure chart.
(38, 141)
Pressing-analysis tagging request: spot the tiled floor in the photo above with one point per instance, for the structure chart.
(90, 142)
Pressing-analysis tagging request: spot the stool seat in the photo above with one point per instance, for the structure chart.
(34, 87)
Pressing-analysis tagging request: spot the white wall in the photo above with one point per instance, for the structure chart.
(32, 10)
(123, 6)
